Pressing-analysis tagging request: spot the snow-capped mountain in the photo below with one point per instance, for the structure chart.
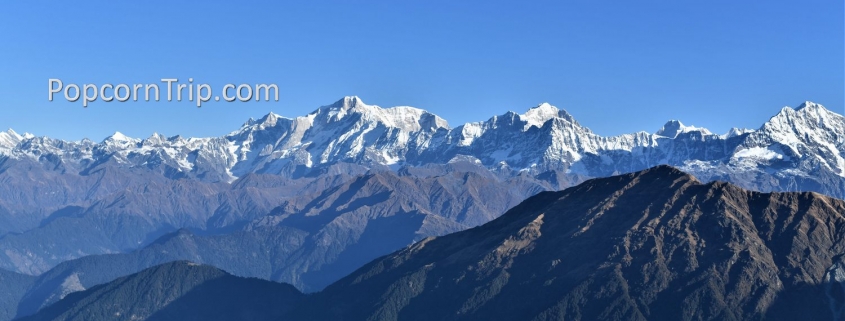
(346, 131)
(354, 178)
(9, 139)
(673, 128)
(800, 148)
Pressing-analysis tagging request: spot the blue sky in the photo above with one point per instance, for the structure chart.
(618, 68)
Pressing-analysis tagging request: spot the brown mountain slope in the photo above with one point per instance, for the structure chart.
(652, 245)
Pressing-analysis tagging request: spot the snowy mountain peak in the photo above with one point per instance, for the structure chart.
(537, 116)
(351, 131)
(817, 111)
(343, 107)
(156, 138)
(810, 106)
(808, 132)
(349, 102)
(673, 128)
(410, 118)
(733, 132)
(9, 138)
(543, 108)
(119, 137)
(11, 133)
(268, 120)
(807, 114)
(404, 117)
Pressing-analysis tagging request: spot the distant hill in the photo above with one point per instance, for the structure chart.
(176, 291)
(325, 237)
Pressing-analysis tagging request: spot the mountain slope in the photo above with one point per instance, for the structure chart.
(310, 242)
(651, 245)
(176, 291)
(247, 254)
(13, 287)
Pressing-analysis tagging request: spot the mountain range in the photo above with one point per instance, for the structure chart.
(313, 198)
(807, 140)
(651, 245)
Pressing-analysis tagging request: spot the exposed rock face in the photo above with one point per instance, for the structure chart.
(652, 245)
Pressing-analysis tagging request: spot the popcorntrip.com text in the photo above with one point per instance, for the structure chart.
(168, 87)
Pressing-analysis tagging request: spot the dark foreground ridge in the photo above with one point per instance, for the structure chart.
(651, 245)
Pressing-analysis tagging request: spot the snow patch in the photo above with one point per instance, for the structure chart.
(673, 128)
(759, 153)
(537, 116)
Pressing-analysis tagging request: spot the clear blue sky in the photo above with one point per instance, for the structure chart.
(617, 67)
